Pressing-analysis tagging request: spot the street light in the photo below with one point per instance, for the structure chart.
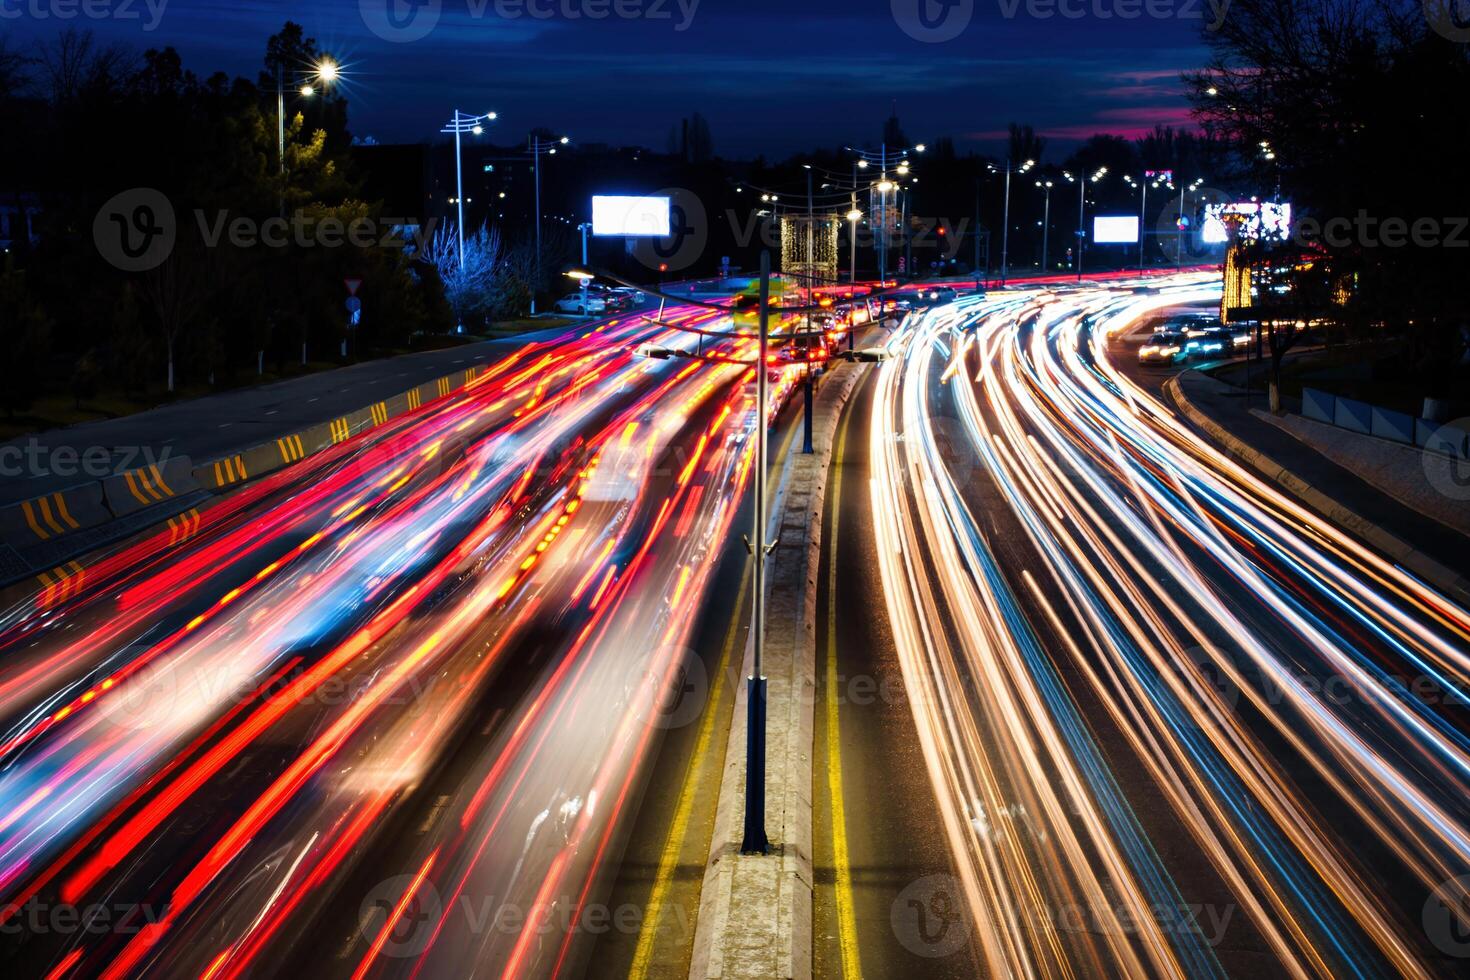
(1081, 205)
(884, 185)
(1045, 220)
(538, 147)
(463, 122)
(1005, 231)
(325, 71)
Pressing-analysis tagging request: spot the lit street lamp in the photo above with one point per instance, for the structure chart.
(1005, 231)
(1046, 186)
(1081, 204)
(463, 122)
(326, 72)
(537, 147)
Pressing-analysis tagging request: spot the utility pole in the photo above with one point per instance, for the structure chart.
(583, 228)
(811, 269)
(1045, 223)
(536, 167)
(1142, 209)
(1081, 221)
(1005, 231)
(754, 841)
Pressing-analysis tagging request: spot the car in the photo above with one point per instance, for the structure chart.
(938, 295)
(1210, 342)
(806, 348)
(572, 303)
(1162, 348)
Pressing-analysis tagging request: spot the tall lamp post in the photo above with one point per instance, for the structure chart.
(462, 123)
(537, 145)
(1005, 231)
(1081, 205)
(1046, 186)
(883, 186)
(326, 72)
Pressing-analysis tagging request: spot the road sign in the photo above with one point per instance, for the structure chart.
(353, 304)
(351, 285)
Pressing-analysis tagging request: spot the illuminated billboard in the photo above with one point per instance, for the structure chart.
(1115, 230)
(630, 217)
(1261, 220)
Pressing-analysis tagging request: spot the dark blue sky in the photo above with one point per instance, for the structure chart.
(772, 76)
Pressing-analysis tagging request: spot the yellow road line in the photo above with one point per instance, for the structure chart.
(668, 861)
(846, 918)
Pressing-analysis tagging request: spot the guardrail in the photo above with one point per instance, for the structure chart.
(1384, 423)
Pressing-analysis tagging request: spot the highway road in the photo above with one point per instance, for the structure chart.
(388, 712)
(1172, 723)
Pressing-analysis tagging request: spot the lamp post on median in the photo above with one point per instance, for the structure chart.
(754, 839)
(1005, 230)
(1081, 205)
(462, 123)
(538, 146)
(1046, 186)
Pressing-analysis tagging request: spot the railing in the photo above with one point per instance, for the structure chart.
(1384, 423)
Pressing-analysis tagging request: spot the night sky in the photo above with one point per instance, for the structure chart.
(771, 76)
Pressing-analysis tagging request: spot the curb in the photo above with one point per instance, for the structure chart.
(755, 911)
(1384, 541)
(41, 521)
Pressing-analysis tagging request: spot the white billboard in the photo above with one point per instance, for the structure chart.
(1115, 230)
(630, 217)
(1262, 219)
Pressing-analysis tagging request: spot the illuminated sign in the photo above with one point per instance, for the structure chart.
(631, 217)
(1260, 220)
(1115, 230)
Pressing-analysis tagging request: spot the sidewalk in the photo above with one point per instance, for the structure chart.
(1326, 487)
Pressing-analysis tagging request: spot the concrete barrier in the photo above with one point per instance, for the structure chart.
(135, 490)
(54, 515)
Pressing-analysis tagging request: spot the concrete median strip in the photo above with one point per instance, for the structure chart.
(755, 911)
(1395, 548)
